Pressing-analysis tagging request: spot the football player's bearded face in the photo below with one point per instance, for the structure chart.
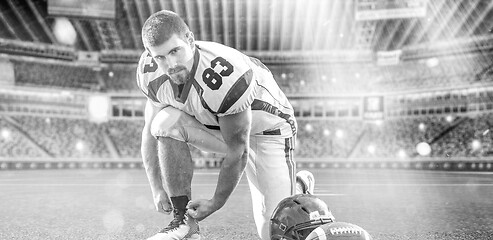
(175, 57)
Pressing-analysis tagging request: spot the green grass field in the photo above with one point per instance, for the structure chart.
(117, 204)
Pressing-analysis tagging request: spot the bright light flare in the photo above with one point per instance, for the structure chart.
(308, 127)
(6, 133)
(476, 144)
(371, 149)
(402, 154)
(79, 146)
(64, 31)
(423, 148)
(326, 132)
(339, 133)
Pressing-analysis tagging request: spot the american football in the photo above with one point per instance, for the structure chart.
(339, 230)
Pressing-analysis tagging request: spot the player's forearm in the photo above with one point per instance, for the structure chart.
(151, 163)
(231, 171)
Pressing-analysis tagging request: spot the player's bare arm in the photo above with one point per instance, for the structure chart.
(235, 129)
(151, 161)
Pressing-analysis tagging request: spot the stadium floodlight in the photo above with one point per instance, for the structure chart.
(308, 127)
(5, 133)
(64, 31)
(432, 62)
(423, 148)
(339, 133)
(449, 118)
(98, 108)
(371, 149)
(476, 144)
(326, 132)
(402, 153)
(79, 145)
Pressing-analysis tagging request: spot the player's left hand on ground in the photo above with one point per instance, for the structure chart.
(200, 209)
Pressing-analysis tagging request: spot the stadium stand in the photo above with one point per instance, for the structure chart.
(398, 137)
(120, 77)
(55, 75)
(470, 138)
(13, 144)
(316, 139)
(69, 138)
(126, 136)
(327, 138)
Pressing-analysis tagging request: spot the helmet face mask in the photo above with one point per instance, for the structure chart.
(296, 216)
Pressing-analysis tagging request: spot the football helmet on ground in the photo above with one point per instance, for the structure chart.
(296, 216)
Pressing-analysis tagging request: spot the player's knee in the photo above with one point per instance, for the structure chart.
(167, 124)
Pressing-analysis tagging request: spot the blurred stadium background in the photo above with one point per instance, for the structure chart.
(375, 83)
(384, 91)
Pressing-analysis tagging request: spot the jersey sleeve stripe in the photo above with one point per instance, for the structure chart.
(236, 91)
(267, 107)
(154, 86)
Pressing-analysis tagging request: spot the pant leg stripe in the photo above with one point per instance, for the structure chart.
(288, 153)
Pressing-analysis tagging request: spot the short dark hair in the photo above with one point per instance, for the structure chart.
(161, 26)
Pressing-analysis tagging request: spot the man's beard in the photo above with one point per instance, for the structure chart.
(179, 74)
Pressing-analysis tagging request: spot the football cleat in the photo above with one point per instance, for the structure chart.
(339, 230)
(306, 180)
(182, 227)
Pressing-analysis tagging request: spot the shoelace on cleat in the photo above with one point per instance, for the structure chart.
(175, 223)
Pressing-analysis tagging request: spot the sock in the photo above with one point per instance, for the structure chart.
(299, 187)
(180, 204)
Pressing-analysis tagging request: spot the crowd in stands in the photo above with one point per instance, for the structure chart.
(65, 138)
(464, 136)
(13, 144)
(119, 78)
(126, 136)
(399, 137)
(72, 138)
(470, 138)
(55, 75)
(293, 79)
(353, 79)
(323, 138)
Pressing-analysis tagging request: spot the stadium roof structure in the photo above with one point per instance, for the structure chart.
(289, 26)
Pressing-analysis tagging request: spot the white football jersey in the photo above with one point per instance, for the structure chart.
(223, 81)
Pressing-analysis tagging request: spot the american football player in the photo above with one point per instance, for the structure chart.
(219, 100)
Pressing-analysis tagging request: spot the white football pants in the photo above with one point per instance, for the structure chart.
(270, 169)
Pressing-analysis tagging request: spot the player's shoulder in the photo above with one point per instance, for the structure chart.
(147, 72)
(145, 59)
(224, 76)
(212, 50)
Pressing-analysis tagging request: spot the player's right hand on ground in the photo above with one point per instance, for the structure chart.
(162, 203)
